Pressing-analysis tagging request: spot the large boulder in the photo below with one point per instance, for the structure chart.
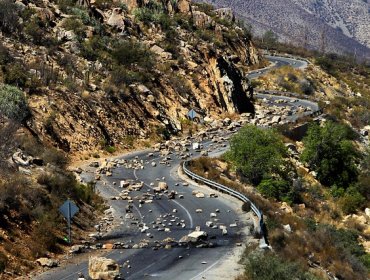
(161, 52)
(117, 19)
(103, 269)
(194, 237)
(202, 20)
(45, 262)
(162, 186)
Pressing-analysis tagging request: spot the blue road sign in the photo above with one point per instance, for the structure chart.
(192, 114)
(68, 209)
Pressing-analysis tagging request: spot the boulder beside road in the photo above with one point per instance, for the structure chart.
(45, 262)
(103, 268)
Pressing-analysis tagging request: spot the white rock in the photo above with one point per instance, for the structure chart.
(367, 212)
(199, 195)
(287, 228)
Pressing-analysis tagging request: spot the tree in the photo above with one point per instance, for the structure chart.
(257, 153)
(330, 152)
(269, 40)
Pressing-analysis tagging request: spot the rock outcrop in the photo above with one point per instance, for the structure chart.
(81, 109)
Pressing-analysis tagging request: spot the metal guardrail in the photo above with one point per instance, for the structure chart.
(229, 191)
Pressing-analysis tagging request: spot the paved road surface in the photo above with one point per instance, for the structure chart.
(176, 263)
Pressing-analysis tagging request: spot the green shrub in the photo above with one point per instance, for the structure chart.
(66, 5)
(110, 149)
(9, 17)
(144, 15)
(128, 53)
(278, 189)
(166, 22)
(120, 76)
(206, 35)
(307, 88)
(13, 104)
(16, 74)
(94, 48)
(365, 259)
(184, 21)
(74, 24)
(86, 192)
(260, 266)
(329, 151)
(5, 56)
(352, 201)
(257, 153)
(34, 31)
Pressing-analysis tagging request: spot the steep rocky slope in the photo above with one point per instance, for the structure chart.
(351, 17)
(102, 74)
(333, 26)
(86, 77)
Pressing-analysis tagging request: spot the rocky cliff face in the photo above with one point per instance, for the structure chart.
(86, 96)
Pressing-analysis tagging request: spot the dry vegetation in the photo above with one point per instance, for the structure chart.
(31, 225)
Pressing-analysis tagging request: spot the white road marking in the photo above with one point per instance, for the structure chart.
(207, 269)
(178, 203)
(187, 212)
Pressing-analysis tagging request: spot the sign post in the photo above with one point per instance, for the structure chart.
(68, 210)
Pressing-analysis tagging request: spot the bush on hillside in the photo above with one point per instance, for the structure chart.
(9, 17)
(13, 104)
(279, 189)
(257, 153)
(330, 152)
(130, 53)
(268, 266)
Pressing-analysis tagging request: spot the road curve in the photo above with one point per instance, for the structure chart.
(180, 262)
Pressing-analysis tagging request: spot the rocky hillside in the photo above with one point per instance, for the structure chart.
(86, 77)
(332, 26)
(102, 74)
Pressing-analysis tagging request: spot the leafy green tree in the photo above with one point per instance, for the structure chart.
(330, 152)
(257, 153)
(13, 104)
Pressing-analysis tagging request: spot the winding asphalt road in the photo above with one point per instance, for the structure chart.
(179, 262)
